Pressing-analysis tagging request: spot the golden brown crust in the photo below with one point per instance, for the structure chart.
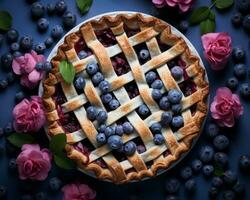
(177, 143)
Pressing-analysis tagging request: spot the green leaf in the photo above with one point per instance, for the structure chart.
(211, 15)
(67, 70)
(5, 20)
(84, 5)
(63, 161)
(207, 26)
(57, 143)
(223, 4)
(199, 15)
(19, 139)
(218, 170)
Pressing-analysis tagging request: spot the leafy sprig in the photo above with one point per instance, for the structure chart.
(206, 18)
(5, 20)
(84, 5)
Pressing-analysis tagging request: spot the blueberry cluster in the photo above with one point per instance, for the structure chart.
(241, 71)
(43, 66)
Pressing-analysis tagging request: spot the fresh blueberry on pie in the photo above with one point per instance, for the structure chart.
(137, 101)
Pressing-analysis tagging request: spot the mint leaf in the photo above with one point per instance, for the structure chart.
(19, 139)
(211, 15)
(57, 143)
(5, 20)
(207, 26)
(199, 15)
(223, 4)
(67, 71)
(63, 161)
(84, 5)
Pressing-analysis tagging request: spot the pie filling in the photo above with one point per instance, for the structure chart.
(68, 120)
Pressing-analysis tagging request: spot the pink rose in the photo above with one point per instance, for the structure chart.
(33, 163)
(184, 5)
(77, 191)
(217, 49)
(226, 107)
(29, 115)
(25, 66)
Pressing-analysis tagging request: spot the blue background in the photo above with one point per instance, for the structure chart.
(154, 188)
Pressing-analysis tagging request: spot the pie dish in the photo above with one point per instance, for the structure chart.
(125, 49)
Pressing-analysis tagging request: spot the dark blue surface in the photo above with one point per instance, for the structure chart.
(154, 188)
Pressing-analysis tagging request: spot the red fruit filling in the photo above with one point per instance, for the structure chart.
(106, 37)
(81, 45)
(132, 89)
(120, 64)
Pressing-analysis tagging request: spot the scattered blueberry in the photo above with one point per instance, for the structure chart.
(50, 8)
(159, 139)
(237, 19)
(12, 164)
(19, 96)
(57, 32)
(212, 130)
(164, 103)
(243, 6)
(150, 77)
(91, 113)
(172, 185)
(245, 90)
(221, 142)
(14, 47)
(206, 154)
(166, 118)
(109, 131)
(8, 129)
(3, 192)
(60, 7)
(213, 192)
(11, 77)
(217, 182)
(143, 110)
(26, 43)
(238, 54)
(246, 23)
(244, 162)
(115, 142)
(3, 84)
(97, 78)
(177, 121)
(176, 108)
(41, 196)
(230, 177)
(37, 10)
(39, 66)
(239, 188)
(104, 86)
(55, 184)
(156, 128)
(144, 54)
(49, 42)
(174, 96)
(177, 72)
(6, 61)
(232, 83)
(17, 54)
(69, 19)
(190, 185)
(127, 127)
(47, 66)
(43, 24)
(186, 173)
(101, 138)
(12, 35)
(221, 159)
(101, 116)
(106, 98)
(40, 48)
(82, 54)
(119, 130)
(129, 148)
(240, 70)
(208, 170)
(196, 165)
(183, 26)
(156, 94)
(228, 195)
(113, 104)
(157, 84)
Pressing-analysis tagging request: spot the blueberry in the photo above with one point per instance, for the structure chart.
(37, 10)
(55, 184)
(245, 90)
(238, 54)
(232, 83)
(57, 32)
(166, 118)
(157, 84)
(143, 110)
(127, 127)
(82, 54)
(246, 23)
(39, 66)
(12, 35)
(228, 195)
(144, 54)
(159, 139)
(221, 142)
(101, 128)
(3, 192)
(60, 7)
(240, 70)
(177, 121)
(230, 177)
(150, 77)
(47, 66)
(174, 96)
(69, 19)
(40, 48)
(41, 196)
(243, 6)
(115, 142)
(119, 130)
(213, 192)
(50, 8)
(208, 170)
(3, 84)
(206, 154)
(49, 42)
(101, 138)
(92, 68)
(172, 197)
(109, 131)
(156, 128)
(6, 61)
(12, 166)
(221, 159)
(244, 162)
(113, 104)
(196, 165)
(8, 129)
(186, 173)
(164, 103)
(26, 43)
(101, 116)
(106, 98)
(156, 94)
(104, 86)
(212, 130)
(97, 78)
(237, 19)
(129, 148)
(17, 54)
(80, 83)
(43, 24)
(183, 26)
(14, 47)
(176, 108)
(19, 96)
(172, 185)
(239, 188)
(91, 113)
(190, 185)
(177, 72)
(217, 182)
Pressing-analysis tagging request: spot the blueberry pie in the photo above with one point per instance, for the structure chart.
(137, 101)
